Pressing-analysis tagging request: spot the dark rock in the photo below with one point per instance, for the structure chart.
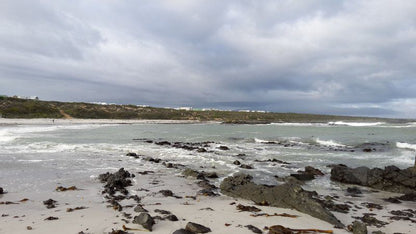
(202, 150)
(1, 190)
(390, 179)
(172, 218)
(236, 162)
(205, 184)
(117, 232)
(332, 206)
(145, 220)
(182, 231)
(359, 228)
(223, 147)
(408, 197)
(140, 209)
(164, 212)
(207, 192)
(373, 147)
(378, 232)
(288, 195)
(51, 218)
(313, 171)
(353, 191)
(190, 173)
(371, 221)
(253, 228)
(210, 175)
(131, 154)
(303, 177)
(392, 200)
(197, 228)
(50, 203)
(166, 193)
(245, 166)
(116, 181)
(370, 205)
(163, 143)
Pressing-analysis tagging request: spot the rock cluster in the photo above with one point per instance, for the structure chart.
(288, 195)
(391, 178)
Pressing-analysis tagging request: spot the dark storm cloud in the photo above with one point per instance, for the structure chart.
(337, 57)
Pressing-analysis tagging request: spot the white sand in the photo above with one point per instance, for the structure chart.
(97, 218)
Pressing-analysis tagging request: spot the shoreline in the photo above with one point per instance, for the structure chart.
(219, 213)
(41, 121)
(223, 218)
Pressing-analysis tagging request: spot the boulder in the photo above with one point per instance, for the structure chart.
(145, 220)
(391, 179)
(288, 195)
(359, 228)
(197, 228)
(1, 190)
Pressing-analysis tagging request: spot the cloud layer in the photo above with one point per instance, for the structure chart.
(338, 57)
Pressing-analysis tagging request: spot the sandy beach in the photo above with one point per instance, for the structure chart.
(218, 213)
(90, 208)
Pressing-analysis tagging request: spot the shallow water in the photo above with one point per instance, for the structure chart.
(33, 157)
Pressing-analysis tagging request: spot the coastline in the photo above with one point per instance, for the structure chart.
(219, 213)
(99, 218)
(47, 121)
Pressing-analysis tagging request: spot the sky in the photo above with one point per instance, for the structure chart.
(344, 57)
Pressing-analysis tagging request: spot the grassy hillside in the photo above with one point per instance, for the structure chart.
(22, 108)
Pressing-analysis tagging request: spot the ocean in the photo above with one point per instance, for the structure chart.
(36, 157)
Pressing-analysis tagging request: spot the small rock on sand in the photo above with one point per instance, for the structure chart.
(145, 220)
(182, 231)
(197, 228)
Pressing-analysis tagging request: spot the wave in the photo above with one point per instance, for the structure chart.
(299, 124)
(329, 143)
(12, 133)
(404, 145)
(261, 141)
(356, 124)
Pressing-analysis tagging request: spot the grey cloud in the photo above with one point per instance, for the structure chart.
(337, 57)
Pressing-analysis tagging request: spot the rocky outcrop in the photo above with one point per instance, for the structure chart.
(391, 178)
(288, 195)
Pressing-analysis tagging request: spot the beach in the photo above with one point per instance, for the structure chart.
(38, 156)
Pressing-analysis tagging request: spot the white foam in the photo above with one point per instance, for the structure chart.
(329, 143)
(257, 140)
(356, 124)
(299, 124)
(405, 145)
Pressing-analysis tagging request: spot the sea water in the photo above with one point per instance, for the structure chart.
(37, 157)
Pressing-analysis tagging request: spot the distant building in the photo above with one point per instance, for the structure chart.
(184, 108)
(27, 98)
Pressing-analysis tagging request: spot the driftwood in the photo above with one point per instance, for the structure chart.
(134, 229)
(279, 229)
(275, 214)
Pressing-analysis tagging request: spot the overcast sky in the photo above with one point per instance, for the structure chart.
(336, 57)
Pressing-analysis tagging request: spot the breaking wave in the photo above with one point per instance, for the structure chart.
(404, 145)
(356, 124)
